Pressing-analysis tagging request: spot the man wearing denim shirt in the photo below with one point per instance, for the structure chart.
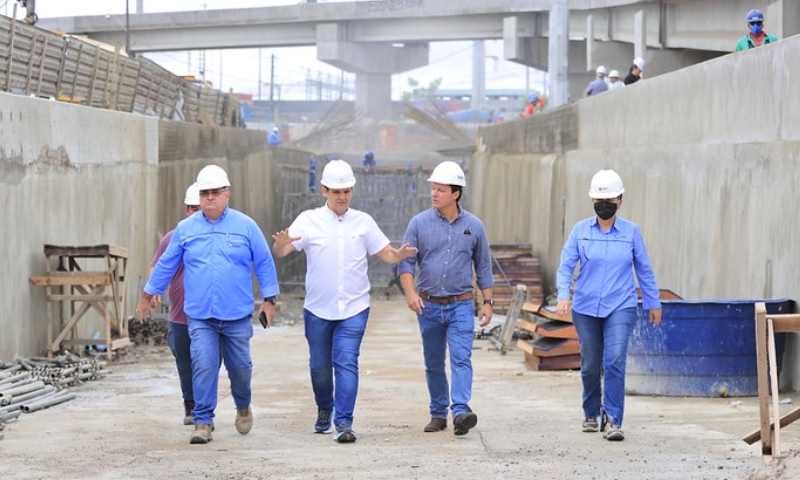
(450, 241)
(219, 250)
(337, 240)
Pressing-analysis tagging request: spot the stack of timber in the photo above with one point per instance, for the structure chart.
(514, 264)
(555, 343)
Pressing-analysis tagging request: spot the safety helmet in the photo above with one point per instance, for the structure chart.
(338, 174)
(192, 195)
(448, 173)
(613, 74)
(275, 129)
(369, 155)
(755, 15)
(212, 177)
(639, 63)
(601, 70)
(606, 184)
(533, 99)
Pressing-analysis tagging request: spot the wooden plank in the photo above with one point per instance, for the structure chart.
(556, 329)
(546, 312)
(93, 79)
(785, 323)
(75, 76)
(787, 419)
(528, 326)
(88, 251)
(71, 278)
(763, 388)
(80, 298)
(29, 73)
(11, 51)
(62, 66)
(43, 62)
(773, 373)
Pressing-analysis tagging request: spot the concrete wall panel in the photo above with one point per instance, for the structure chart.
(69, 175)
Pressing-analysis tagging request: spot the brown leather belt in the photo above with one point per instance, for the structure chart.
(446, 300)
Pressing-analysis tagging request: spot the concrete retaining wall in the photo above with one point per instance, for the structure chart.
(710, 158)
(69, 175)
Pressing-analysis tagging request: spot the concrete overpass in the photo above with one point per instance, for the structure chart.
(376, 39)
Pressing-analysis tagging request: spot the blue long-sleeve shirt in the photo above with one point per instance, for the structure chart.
(447, 253)
(218, 260)
(274, 138)
(605, 281)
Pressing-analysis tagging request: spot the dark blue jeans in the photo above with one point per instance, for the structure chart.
(604, 351)
(208, 337)
(334, 347)
(180, 344)
(448, 327)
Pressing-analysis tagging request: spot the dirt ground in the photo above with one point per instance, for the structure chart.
(128, 426)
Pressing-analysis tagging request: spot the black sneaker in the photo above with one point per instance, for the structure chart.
(463, 423)
(324, 421)
(345, 434)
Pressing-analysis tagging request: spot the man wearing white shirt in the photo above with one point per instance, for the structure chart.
(337, 240)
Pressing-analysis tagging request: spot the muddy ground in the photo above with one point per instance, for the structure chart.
(128, 426)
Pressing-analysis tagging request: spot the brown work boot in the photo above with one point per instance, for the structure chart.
(201, 434)
(188, 419)
(436, 425)
(244, 420)
(463, 423)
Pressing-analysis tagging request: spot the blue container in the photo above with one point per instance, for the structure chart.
(701, 349)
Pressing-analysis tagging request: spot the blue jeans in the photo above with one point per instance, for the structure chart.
(208, 336)
(450, 327)
(334, 347)
(180, 344)
(604, 351)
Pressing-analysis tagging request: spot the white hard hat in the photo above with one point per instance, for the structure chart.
(192, 195)
(448, 173)
(613, 74)
(274, 129)
(212, 177)
(606, 184)
(639, 62)
(338, 174)
(601, 70)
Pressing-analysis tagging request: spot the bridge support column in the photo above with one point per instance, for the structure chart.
(373, 63)
(783, 18)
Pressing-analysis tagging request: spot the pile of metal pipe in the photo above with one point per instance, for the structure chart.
(31, 384)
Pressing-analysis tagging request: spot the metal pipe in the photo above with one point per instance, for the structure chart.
(24, 381)
(23, 389)
(48, 402)
(9, 415)
(36, 393)
(15, 378)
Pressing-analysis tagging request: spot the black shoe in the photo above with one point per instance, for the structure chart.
(324, 421)
(464, 423)
(436, 425)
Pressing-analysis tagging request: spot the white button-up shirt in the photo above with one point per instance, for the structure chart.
(337, 285)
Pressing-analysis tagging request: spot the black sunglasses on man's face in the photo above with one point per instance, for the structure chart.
(759, 23)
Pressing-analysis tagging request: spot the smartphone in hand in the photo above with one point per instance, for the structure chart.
(262, 318)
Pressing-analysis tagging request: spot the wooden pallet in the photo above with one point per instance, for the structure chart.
(514, 264)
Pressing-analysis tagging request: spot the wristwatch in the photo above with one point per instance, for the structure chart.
(488, 301)
(270, 300)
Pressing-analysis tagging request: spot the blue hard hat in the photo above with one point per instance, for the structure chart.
(369, 155)
(533, 98)
(755, 15)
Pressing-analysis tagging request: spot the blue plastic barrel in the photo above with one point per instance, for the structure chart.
(701, 349)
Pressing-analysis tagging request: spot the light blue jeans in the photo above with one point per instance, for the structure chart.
(334, 347)
(604, 351)
(444, 327)
(208, 336)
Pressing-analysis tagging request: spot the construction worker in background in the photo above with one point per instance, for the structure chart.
(220, 249)
(274, 137)
(337, 240)
(312, 175)
(369, 159)
(451, 242)
(603, 306)
(756, 36)
(534, 105)
(178, 329)
(599, 84)
(636, 71)
(614, 83)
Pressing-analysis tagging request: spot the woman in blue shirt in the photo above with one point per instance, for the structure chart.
(604, 303)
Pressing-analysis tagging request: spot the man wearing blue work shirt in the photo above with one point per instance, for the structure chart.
(603, 306)
(219, 248)
(450, 241)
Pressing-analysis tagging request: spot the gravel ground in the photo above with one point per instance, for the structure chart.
(128, 426)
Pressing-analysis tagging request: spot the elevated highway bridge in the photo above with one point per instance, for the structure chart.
(376, 39)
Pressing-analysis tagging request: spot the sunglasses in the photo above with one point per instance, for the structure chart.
(757, 23)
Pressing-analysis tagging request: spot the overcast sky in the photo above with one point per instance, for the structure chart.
(239, 69)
